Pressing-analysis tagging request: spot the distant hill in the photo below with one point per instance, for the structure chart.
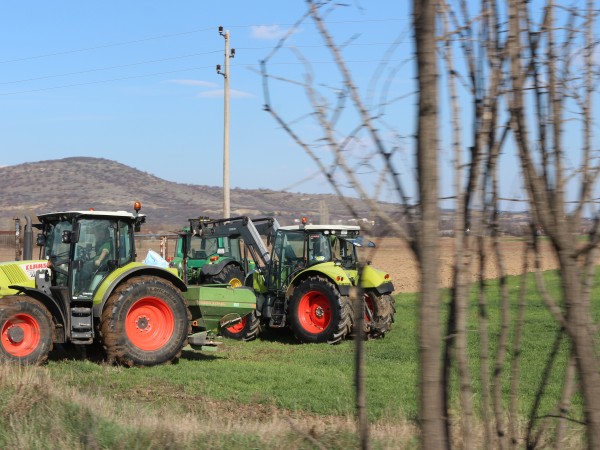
(83, 183)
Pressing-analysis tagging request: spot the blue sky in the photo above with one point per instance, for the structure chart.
(135, 82)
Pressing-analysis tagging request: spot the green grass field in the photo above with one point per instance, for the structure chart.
(269, 393)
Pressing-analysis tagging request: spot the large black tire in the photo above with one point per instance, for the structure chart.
(145, 322)
(318, 313)
(246, 330)
(231, 274)
(25, 330)
(379, 314)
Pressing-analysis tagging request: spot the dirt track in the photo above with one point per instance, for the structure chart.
(393, 256)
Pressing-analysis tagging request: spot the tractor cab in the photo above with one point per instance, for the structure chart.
(84, 247)
(299, 247)
(200, 251)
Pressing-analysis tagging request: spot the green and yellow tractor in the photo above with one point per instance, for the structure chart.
(87, 288)
(307, 283)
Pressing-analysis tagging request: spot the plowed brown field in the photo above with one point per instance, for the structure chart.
(394, 256)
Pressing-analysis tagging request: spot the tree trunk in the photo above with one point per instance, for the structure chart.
(580, 330)
(432, 415)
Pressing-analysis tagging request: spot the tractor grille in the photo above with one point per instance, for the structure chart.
(14, 273)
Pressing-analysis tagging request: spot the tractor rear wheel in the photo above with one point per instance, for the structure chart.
(379, 314)
(25, 330)
(231, 274)
(318, 313)
(245, 330)
(145, 322)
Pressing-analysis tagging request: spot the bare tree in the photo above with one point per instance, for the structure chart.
(432, 414)
(546, 178)
(512, 79)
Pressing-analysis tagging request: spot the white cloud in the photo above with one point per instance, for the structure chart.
(194, 83)
(218, 93)
(267, 32)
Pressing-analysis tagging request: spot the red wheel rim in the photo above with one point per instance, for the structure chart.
(369, 308)
(314, 312)
(149, 323)
(21, 335)
(238, 327)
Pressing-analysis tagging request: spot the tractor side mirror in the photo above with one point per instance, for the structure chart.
(137, 226)
(40, 240)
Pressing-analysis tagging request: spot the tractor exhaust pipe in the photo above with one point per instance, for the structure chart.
(28, 240)
(17, 238)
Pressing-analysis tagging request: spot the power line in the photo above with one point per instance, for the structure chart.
(152, 61)
(50, 88)
(99, 69)
(115, 44)
(165, 36)
(106, 81)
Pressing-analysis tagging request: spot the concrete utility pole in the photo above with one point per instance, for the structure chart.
(228, 55)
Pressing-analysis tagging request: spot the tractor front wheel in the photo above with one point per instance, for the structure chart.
(25, 330)
(318, 313)
(145, 322)
(245, 330)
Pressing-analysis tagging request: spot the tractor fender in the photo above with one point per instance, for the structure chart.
(56, 311)
(376, 279)
(333, 273)
(385, 288)
(210, 270)
(126, 272)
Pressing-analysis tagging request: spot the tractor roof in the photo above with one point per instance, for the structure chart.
(340, 228)
(53, 216)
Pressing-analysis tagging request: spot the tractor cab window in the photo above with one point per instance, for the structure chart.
(95, 254)
(233, 250)
(318, 248)
(205, 247)
(54, 243)
(125, 249)
(202, 247)
(57, 250)
(288, 256)
(345, 252)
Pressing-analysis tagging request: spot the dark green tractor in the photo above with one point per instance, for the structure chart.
(215, 251)
(210, 260)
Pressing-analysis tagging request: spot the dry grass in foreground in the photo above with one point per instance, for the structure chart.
(38, 413)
